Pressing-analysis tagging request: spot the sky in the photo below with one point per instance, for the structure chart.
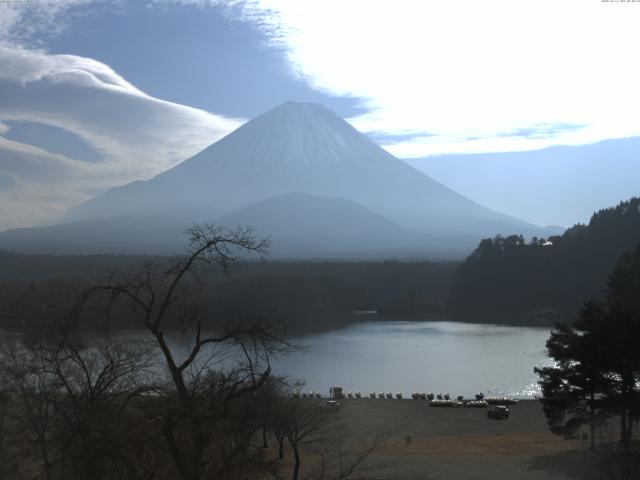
(100, 93)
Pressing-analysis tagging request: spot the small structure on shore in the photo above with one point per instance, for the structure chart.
(336, 393)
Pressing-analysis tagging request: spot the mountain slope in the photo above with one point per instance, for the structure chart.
(303, 148)
(300, 226)
(303, 225)
(130, 234)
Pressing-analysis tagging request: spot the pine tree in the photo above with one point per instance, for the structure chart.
(597, 371)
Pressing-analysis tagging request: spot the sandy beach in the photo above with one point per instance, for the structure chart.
(463, 444)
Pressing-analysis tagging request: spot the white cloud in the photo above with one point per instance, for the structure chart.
(43, 184)
(27, 21)
(137, 135)
(141, 134)
(30, 204)
(467, 69)
(27, 65)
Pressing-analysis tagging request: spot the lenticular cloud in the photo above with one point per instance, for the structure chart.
(136, 135)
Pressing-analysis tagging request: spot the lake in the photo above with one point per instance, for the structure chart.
(447, 357)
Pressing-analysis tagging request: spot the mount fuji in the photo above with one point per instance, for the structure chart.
(297, 168)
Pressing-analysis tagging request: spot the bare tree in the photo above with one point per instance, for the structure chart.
(343, 451)
(271, 411)
(306, 420)
(193, 397)
(278, 419)
(32, 405)
(5, 467)
(70, 395)
(223, 364)
(320, 434)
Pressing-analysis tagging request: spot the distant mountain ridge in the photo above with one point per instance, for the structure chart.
(304, 148)
(559, 185)
(296, 223)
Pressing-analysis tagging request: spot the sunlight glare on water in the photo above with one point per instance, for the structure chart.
(457, 358)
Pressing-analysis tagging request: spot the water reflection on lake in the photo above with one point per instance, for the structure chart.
(447, 357)
(458, 358)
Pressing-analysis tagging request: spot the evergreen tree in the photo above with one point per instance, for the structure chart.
(574, 389)
(597, 371)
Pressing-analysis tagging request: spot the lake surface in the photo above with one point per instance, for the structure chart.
(446, 357)
(451, 357)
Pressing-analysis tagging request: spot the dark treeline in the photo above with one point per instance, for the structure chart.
(309, 296)
(542, 280)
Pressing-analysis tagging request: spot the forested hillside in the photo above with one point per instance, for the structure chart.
(309, 296)
(545, 279)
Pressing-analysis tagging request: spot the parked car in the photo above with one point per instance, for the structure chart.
(499, 412)
(333, 405)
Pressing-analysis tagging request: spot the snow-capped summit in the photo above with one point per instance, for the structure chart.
(294, 133)
(303, 132)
